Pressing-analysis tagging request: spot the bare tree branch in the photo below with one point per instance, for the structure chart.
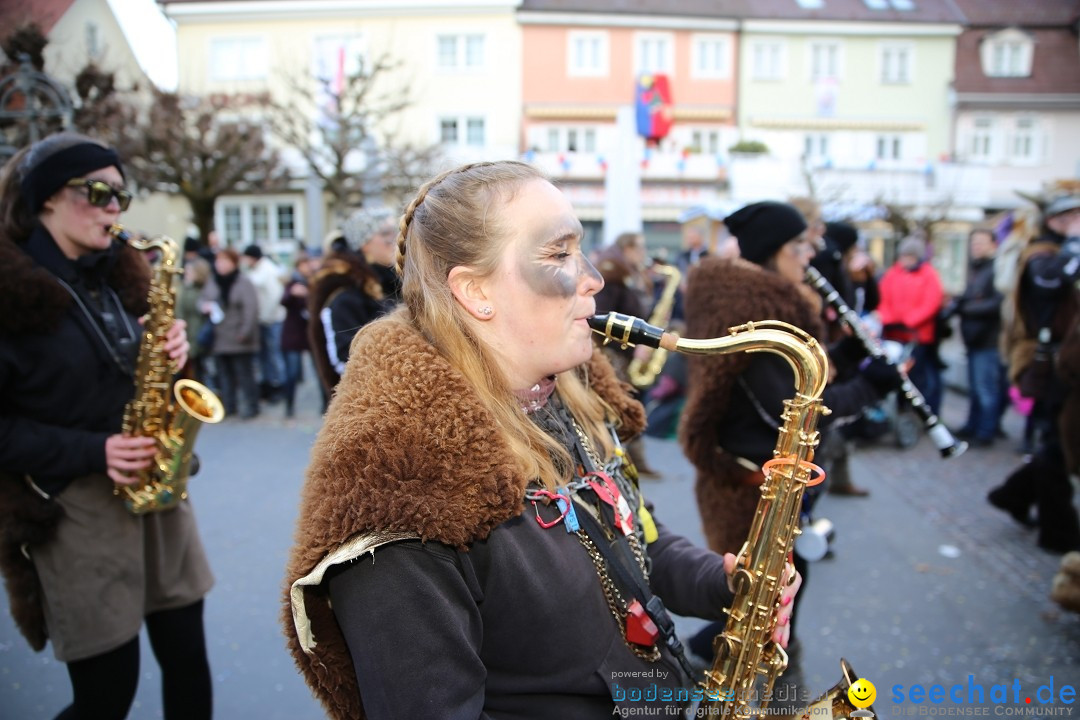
(344, 133)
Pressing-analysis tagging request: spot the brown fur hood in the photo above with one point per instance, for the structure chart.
(722, 293)
(406, 447)
(31, 299)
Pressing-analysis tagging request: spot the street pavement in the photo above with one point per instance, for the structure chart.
(927, 584)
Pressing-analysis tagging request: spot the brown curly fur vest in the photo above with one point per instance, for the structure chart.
(408, 447)
(723, 293)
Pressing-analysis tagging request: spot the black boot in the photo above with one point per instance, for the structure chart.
(1017, 494)
(1059, 527)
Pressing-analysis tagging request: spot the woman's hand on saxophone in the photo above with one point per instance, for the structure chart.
(126, 455)
(792, 583)
(176, 343)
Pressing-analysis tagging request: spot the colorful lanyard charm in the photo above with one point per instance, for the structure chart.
(569, 514)
(608, 492)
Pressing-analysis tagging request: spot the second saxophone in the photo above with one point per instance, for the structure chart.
(171, 413)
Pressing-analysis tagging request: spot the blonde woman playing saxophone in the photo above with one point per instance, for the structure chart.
(436, 540)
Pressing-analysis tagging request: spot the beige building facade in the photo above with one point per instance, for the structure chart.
(459, 61)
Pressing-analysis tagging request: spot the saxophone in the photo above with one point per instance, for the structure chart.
(744, 650)
(643, 373)
(170, 413)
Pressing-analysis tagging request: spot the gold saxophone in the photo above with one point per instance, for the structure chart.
(745, 650)
(643, 373)
(170, 413)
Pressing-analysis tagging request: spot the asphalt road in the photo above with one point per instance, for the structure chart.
(927, 583)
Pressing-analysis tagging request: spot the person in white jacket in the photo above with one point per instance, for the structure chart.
(269, 280)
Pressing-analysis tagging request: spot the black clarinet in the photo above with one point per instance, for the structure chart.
(946, 444)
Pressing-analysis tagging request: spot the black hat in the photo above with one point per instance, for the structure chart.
(253, 251)
(762, 228)
(842, 235)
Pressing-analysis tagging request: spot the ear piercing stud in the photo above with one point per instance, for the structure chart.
(486, 310)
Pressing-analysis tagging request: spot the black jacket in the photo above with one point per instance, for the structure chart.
(979, 307)
(344, 296)
(63, 391)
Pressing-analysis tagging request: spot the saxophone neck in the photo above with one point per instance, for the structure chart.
(806, 356)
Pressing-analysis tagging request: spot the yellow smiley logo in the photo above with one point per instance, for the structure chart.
(862, 693)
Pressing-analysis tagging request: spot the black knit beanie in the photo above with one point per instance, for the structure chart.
(762, 228)
(48, 176)
(842, 235)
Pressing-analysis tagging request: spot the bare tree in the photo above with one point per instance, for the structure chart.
(905, 221)
(199, 147)
(343, 129)
(204, 147)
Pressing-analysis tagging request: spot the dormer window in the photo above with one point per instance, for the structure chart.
(1007, 54)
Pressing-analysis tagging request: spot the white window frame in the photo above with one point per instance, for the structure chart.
(1018, 44)
(817, 146)
(776, 65)
(707, 140)
(907, 77)
(245, 207)
(893, 146)
(982, 140)
(1033, 136)
(706, 47)
(461, 62)
(575, 67)
(462, 121)
(250, 60)
(353, 44)
(666, 53)
(557, 138)
(837, 72)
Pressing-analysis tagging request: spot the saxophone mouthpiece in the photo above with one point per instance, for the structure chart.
(118, 232)
(626, 330)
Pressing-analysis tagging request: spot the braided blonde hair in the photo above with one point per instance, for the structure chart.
(456, 219)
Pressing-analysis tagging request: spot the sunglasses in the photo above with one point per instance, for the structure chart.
(99, 193)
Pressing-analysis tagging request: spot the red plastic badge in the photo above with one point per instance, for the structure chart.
(640, 629)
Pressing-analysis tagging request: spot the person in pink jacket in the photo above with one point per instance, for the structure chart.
(911, 298)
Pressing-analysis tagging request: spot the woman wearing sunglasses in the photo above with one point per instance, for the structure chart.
(81, 571)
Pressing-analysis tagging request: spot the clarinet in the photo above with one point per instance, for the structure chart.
(944, 441)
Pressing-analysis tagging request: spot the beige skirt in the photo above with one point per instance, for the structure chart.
(107, 569)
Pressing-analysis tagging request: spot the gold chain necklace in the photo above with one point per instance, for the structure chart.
(615, 601)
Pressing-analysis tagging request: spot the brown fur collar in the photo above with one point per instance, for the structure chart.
(32, 301)
(379, 461)
(30, 520)
(406, 446)
(721, 294)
